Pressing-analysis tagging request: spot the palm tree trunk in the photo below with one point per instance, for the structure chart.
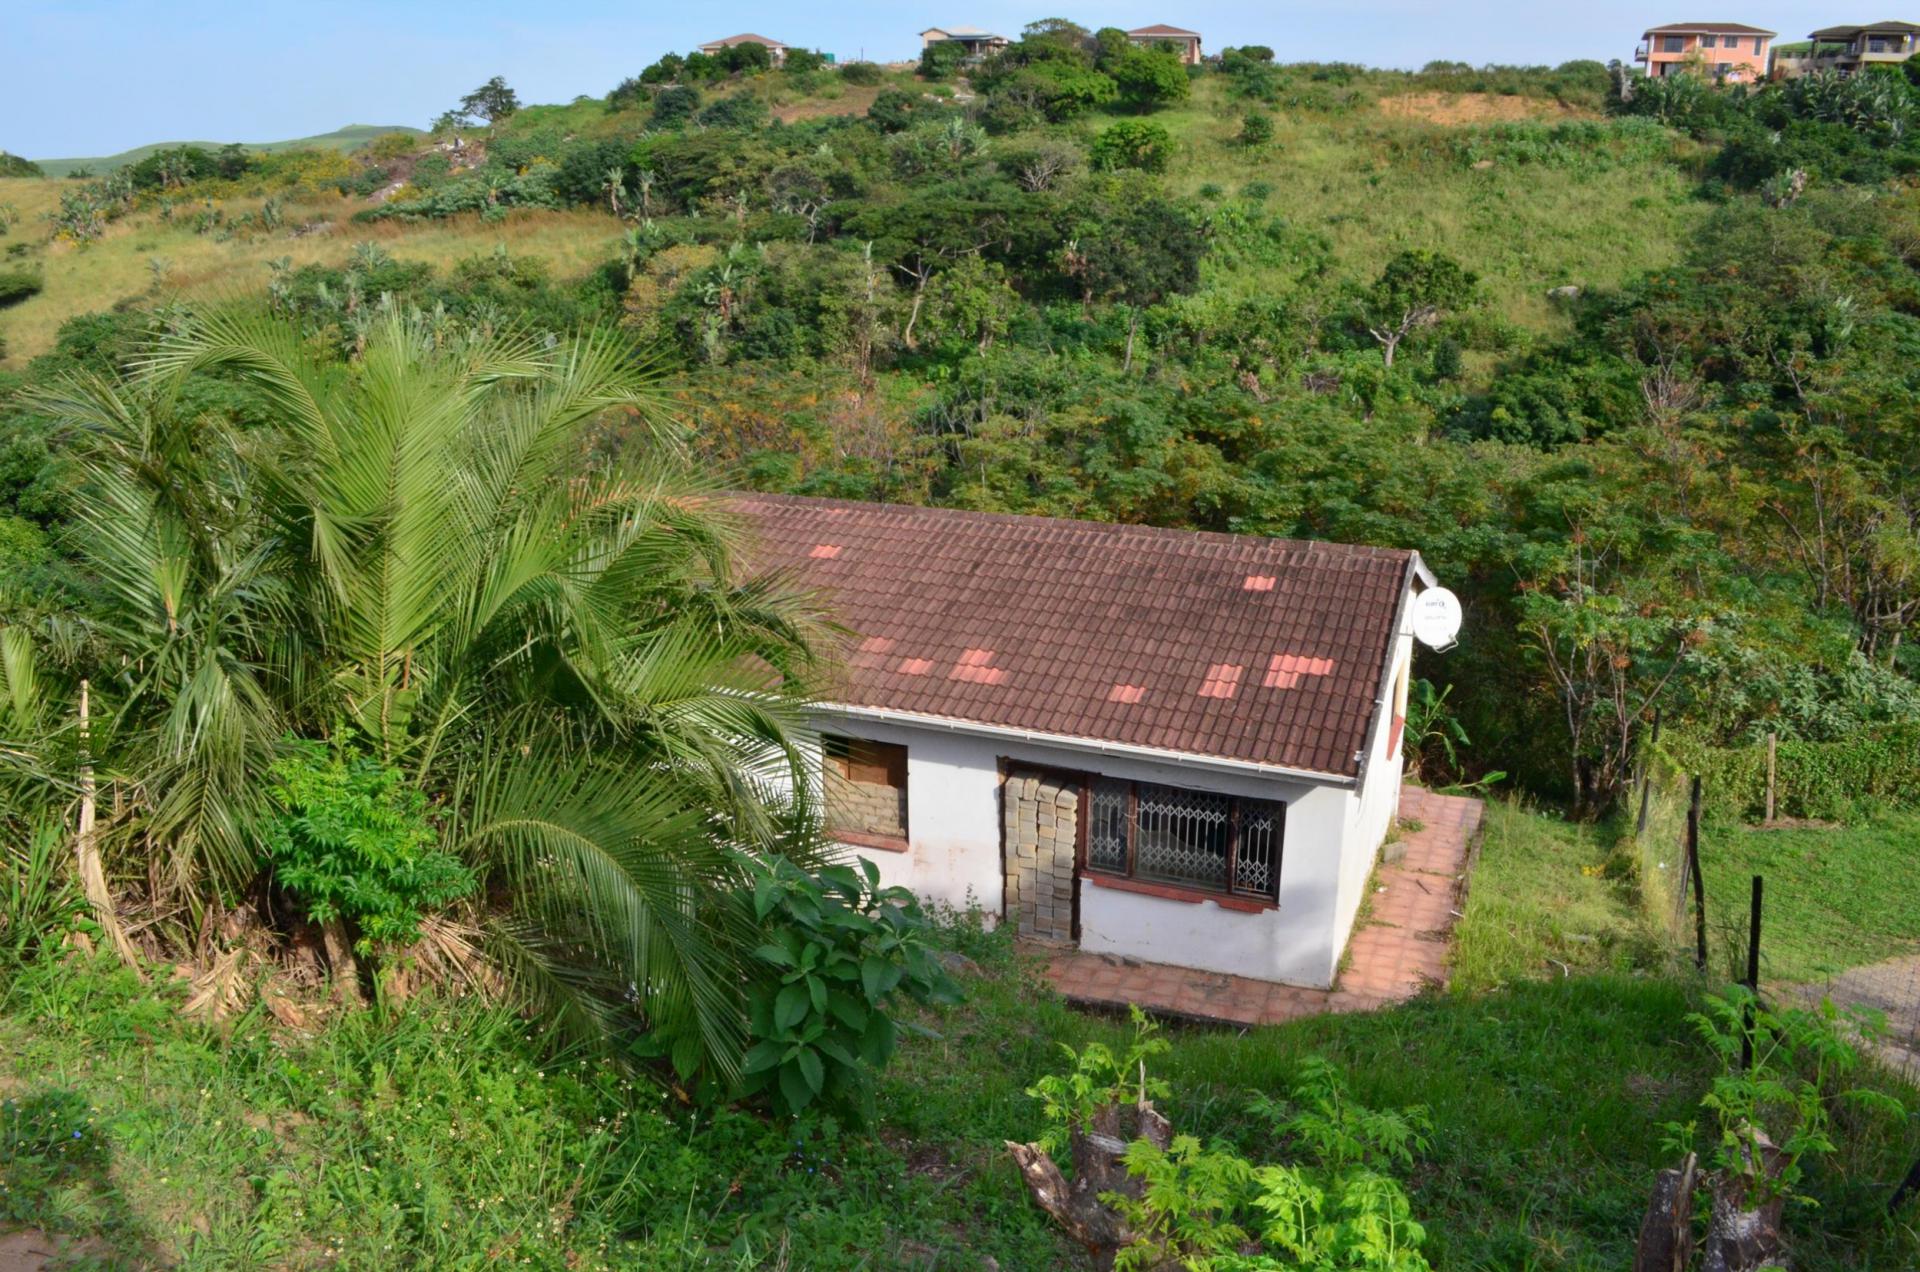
(86, 853)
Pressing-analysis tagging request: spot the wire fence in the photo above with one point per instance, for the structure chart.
(1721, 930)
(1719, 924)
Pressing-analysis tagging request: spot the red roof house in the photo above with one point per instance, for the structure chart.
(1179, 746)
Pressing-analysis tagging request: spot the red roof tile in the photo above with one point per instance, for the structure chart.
(1161, 28)
(1121, 634)
(1708, 28)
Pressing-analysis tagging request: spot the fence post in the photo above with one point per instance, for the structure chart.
(1646, 774)
(1699, 883)
(1753, 971)
(1773, 748)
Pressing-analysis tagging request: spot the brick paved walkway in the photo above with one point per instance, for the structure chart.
(1396, 950)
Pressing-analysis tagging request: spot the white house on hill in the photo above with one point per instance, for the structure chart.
(1175, 746)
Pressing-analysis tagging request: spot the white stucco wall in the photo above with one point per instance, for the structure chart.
(1378, 800)
(954, 829)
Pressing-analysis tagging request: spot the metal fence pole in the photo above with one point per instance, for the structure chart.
(1699, 883)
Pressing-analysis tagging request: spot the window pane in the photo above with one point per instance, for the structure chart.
(1256, 866)
(1107, 832)
(1181, 836)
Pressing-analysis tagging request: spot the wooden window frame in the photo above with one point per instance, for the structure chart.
(892, 768)
(1228, 897)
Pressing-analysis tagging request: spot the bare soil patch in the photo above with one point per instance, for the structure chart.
(1474, 108)
(854, 99)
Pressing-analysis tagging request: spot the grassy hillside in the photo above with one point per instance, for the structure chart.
(1396, 173)
(348, 138)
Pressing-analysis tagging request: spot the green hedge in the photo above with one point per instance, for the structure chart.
(1828, 781)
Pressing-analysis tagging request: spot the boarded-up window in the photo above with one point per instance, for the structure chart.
(866, 787)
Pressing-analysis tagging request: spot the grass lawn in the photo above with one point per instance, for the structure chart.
(1835, 898)
(144, 259)
(1548, 898)
(452, 1136)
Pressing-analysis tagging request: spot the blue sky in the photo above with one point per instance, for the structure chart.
(91, 77)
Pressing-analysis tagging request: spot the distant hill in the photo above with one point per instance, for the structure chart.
(348, 138)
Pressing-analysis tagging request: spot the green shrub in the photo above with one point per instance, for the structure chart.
(12, 165)
(1829, 781)
(1256, 129)
(350, 840)
(17, 285)
(1133, 143)
(941, 59)
(675, 105)
(862, 73)
(839, 948)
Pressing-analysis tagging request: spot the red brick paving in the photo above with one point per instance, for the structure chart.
(1398, 949)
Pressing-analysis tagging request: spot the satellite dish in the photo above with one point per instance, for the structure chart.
(1436, 617)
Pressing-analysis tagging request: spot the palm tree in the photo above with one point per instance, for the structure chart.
(426, 553)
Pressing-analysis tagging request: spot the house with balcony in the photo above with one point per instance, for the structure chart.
(1156, 744)
(1184, 42)
(1729, 51)
(974, 41)
(1847, 49)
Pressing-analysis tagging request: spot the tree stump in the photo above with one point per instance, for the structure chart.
(1743, 1227)
(1666, 1233)
(1097, 1151)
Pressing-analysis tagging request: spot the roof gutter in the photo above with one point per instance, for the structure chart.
(1153, 754)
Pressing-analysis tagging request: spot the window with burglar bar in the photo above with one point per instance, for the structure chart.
(1164, 834)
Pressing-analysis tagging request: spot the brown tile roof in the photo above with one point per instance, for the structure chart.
(1161, 28)
(1252, 649)
(1708, 28)
(748, 38)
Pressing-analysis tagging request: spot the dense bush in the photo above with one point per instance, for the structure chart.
(350, 840)
(1132, 143)
(12, 165)
(18, 284)
(1830, 781)
(861, 73)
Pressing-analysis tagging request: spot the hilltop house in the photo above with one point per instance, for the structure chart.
(1726, 50)
(1186, 42)
(1176, 746)
(972, 39)
(1849, 48)
(775, 49)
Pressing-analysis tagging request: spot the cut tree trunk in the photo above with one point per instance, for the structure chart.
(1666, 1234)
(346, 969)
(86, 852)
(1097, 1151)
(1743, 1227)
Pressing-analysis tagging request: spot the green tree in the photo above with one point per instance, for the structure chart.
(1150, 78)
(490, 103)
(939, 60)
(1415, 290)
(1256, 130)
(1138, 255)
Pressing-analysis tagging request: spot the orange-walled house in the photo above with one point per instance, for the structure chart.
(1725, 50)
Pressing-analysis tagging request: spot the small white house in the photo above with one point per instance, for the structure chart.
(1176, 746)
